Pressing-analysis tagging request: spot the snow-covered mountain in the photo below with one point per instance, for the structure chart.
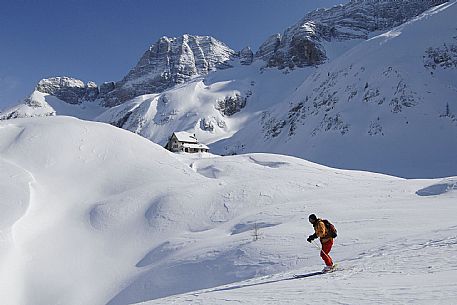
(168, 62)
(93, 214)
(316, 91)
(388, 104)
(85, 220)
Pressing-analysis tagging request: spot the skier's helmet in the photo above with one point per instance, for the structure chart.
(312, 218)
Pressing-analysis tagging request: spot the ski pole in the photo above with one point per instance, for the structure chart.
(314, 243)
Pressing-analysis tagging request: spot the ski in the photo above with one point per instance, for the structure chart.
(333, 269)
(299, 276)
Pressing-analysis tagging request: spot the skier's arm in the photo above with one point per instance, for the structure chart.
(311, 237)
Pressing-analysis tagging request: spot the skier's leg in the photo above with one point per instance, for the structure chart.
(326, 247)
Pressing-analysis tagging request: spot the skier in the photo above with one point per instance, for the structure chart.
(326, 236)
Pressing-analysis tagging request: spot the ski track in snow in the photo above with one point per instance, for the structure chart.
(404, 271)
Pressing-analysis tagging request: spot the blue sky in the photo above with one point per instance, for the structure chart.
(101, 40)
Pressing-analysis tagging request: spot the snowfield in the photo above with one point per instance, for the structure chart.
(93, 214)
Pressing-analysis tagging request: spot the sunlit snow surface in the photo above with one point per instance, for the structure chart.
(93, 214)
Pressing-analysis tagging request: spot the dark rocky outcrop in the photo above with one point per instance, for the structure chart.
(168, 62)
(246, 56)
(67, 89)
(231, 104)
(302, 44)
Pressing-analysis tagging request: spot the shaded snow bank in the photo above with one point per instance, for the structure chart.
(447, 185)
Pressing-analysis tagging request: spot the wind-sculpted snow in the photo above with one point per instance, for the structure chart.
(86, 220)
(383, 274)
(15, 194)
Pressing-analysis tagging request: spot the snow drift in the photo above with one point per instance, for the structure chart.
(93, 214)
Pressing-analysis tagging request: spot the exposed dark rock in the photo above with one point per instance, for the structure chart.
(271, 127)
(301, 44)
(107, 87)
(67, 89)
(246, 56)
(168, 62)
(231, 104)
(444, 57)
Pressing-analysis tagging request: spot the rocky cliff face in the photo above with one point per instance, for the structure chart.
(168, 62)
(70, 90)
(246, 56)
(302, 44)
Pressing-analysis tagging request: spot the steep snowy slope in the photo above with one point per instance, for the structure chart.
(387, 105)
(213, 107)
(34, 106)
(59, 96)
(92, 214)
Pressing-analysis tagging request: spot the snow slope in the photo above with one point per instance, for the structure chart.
(85, 220)
(34, 106)
(214, 107)
(40, 104)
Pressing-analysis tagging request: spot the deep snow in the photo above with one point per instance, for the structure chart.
(92, 214)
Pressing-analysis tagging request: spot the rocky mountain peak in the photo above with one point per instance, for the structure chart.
(171, 61)
(70, 90)
(302, 44)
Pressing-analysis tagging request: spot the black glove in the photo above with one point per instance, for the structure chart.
(310, 238)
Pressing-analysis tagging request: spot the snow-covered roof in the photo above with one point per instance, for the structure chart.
(192, 145)
(186, 137)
